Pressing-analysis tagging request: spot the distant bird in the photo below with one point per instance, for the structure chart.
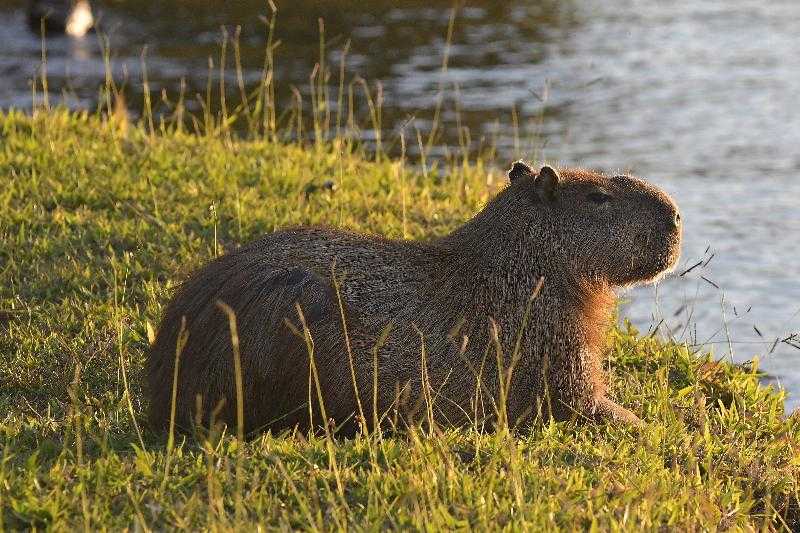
(70, 17)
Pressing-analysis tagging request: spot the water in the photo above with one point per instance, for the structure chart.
(700, 97)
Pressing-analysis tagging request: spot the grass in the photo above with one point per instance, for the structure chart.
(97, 223)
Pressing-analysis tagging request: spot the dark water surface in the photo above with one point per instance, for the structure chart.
(700, 97)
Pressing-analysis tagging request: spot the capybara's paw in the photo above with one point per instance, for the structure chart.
(607, 410)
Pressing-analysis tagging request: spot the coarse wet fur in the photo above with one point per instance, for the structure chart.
(507, 313)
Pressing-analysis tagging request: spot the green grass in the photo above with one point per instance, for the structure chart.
(97, 223)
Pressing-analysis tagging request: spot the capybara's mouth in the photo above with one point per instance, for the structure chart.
(659, 255)
(668, 262)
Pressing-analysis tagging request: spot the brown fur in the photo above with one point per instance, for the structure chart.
(596, 308)
(458, 302)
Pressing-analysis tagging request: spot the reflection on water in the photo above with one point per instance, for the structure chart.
(398, 45)
(700, 97)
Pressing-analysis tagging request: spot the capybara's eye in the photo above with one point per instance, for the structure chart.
(599, 197)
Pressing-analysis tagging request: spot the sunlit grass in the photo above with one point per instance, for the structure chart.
(98, 222)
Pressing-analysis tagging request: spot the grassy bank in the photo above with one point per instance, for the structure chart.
(96, 224)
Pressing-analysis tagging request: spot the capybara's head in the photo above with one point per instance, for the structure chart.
(616, 229)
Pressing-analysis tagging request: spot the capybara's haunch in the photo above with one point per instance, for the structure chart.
(466, 305)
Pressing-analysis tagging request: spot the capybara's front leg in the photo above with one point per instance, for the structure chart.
(605, 409)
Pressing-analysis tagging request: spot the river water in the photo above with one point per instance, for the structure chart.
(700, 97)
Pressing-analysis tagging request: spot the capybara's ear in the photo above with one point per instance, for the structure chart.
(519, 169)
(546, 184)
